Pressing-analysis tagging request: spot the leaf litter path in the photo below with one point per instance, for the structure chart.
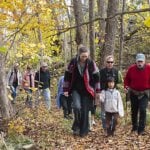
(51, 131)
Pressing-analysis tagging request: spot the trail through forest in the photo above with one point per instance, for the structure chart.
(52, 132)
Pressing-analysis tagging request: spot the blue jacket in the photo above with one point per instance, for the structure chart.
(59, 91)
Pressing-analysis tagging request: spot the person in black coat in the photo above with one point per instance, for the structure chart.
(42, 81)
(82, 81)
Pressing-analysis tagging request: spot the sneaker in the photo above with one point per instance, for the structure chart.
(93, 122)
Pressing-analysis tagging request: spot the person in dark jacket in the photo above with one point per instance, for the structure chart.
(82, 81)
(42, 81)
(137, 82)
(63, 101)
(14, 80)
(108, 71)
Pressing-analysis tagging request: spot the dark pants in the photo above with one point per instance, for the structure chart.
(111, 122)
(138, 111)
(66, 105)
(14, 90)
(29, 97)
(81, 107)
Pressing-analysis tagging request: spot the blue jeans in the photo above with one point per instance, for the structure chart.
(13, 92)
(47, 97)
(81, 107)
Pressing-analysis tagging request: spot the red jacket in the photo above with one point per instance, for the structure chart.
(138, 79)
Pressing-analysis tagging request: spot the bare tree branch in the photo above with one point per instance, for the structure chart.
(100, 18)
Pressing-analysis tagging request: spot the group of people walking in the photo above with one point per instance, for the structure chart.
(83, 86)
(28, 81)
(86, 85)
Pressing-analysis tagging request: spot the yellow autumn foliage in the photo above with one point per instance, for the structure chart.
(147, 22)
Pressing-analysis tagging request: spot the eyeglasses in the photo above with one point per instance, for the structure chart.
(110, 62)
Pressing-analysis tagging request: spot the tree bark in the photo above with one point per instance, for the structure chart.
(5, 105)
(111, 26)
(77, 6)
(91, 29)
(102, 24)
(121, 35)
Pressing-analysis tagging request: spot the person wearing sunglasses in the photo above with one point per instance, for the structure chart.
(137, 83)
(108, 71)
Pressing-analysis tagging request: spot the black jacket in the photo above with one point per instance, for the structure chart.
(42, 79)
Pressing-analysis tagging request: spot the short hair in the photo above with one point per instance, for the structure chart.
(29, 67)
(110, 79)
(83, 49)
(108, 57)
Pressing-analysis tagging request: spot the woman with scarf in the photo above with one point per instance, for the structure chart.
(82, 81)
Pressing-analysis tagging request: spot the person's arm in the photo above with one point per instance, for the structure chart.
(102, 96)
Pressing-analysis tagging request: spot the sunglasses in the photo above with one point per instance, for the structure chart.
(110, 62)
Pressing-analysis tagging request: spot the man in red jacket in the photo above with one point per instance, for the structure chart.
(137, 81)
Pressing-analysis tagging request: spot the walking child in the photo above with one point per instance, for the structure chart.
(113, 106)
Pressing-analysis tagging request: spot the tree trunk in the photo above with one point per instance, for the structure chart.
(102, 24)
(91, 28)
(70, 32)
(121, 36)
(111, 26)
(77, 6)
(5, 105)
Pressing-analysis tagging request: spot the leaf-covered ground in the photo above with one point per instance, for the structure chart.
(50, 131)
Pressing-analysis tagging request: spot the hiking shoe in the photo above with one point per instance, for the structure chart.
(134, 129)
(83, 134)
(76, 132)
(141, 133)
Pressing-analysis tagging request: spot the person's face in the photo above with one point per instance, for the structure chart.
(84, 56)
(44, 68)
(111, 84)
(29, 69)
(109, 62)
(140, 64)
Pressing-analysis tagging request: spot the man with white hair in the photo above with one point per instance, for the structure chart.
(137, 82)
